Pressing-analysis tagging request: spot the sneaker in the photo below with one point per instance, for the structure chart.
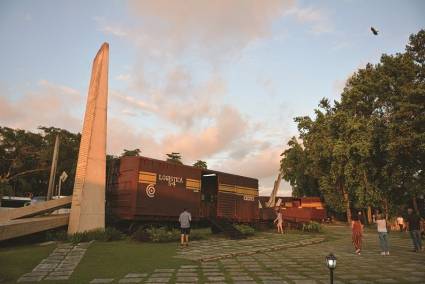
(387, 253)
(383, 253)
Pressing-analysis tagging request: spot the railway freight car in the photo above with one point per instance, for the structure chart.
(296, 210)
(145, 189)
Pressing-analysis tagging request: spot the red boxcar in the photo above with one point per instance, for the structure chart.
(295, 209)
(150, 189)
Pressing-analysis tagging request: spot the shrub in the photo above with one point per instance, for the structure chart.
(112, 234)
(312, 227)
(196, 235)
(156, 235)
(78, 237)
(141, 235)
(61, 236)
(160, 235)
(107, 235)
(245, 230)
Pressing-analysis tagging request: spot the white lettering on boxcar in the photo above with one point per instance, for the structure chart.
(172, 181)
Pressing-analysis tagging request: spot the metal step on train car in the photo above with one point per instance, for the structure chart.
(145, 189)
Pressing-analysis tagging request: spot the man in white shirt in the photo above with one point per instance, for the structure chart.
(184, 220)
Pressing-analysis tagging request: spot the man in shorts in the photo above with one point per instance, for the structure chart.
(184, 220)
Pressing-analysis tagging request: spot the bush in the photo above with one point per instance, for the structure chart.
(157, 235)
(141, 235)
(197, 235)
(78, 237)
(61, 236)
(312, 227)
(245, 230)
(107, 235)
(112, 234)
(161, 235)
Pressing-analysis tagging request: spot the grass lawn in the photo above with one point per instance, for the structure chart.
(15, 261)
(118, 258)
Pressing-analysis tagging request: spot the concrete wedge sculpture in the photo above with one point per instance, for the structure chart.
(88, 199)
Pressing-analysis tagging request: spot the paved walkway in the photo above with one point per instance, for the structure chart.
(303, 264)
(59, 265)
(215, 249)
(298, 265)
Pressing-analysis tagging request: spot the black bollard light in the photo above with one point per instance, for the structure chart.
(331, 264)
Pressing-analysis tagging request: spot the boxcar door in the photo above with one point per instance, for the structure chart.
(209, 189)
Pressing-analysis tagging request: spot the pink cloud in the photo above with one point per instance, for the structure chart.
(49, 105)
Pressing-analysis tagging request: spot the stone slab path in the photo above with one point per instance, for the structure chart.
(293, 265)
(59, 265)
(214, 249)
(265, 259)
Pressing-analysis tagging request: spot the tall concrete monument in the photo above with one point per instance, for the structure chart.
(88, 200)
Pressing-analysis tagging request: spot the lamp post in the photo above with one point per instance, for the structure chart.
(331, 264)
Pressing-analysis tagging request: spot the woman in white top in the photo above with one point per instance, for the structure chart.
(383, 234)
(279, 221)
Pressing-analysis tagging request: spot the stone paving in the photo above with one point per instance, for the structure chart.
(295, 265)
(302, 262)
(59, 265)
(216, 249)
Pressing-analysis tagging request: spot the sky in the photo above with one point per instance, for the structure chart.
(219, 81)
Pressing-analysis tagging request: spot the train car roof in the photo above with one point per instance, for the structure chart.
(204, 171)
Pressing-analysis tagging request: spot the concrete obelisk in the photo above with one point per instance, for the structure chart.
(88, 199)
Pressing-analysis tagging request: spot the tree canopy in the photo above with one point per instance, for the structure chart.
(131, 153)
(26, 157)
(368, 149)
(200, 164)
(175, 158)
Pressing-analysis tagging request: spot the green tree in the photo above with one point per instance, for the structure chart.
(131, 153)
(295, 169)
(200, 164)
(368, 149)
(25, 159)
(174, 158)
(20, 157)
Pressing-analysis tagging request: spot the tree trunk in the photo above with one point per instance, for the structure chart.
(369, 214)
(415, 204)
(346, 202)
(386, 209)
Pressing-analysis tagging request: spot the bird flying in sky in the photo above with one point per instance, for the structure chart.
(374, 31)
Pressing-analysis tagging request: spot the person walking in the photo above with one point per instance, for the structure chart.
(382, 234)
(185, 218)
(413, 226)
(361, 218)
(357, 233)
(279, 220)
(400, 223)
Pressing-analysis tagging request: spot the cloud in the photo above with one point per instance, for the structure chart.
(175, 97)
(212, 28)
(49, 105)
(178, 40)
(123, 77)
(110, 29)
(317, 19)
